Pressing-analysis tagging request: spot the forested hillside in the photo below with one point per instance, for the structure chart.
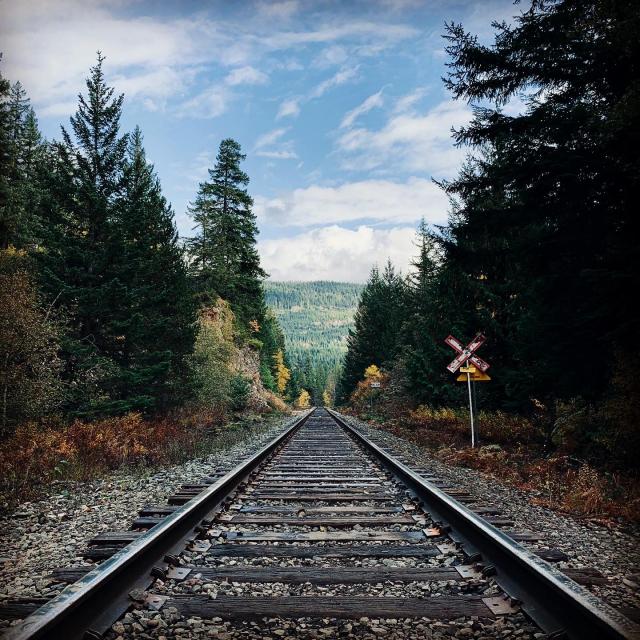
(108, 323)
(315, 318)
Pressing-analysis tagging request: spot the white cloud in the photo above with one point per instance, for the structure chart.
(210, 103)
(336, 253)
(279, 10)
(408, 102)
(331, 56)
(366, 200)
(269, 138)
(341, 77)
(281, 154)
(279, 149)
(246, 75)
(50, 46)
(289, 108)
(372, 102)
(408, 141)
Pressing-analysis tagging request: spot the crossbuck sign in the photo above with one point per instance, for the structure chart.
(467, 353)
(466, 356)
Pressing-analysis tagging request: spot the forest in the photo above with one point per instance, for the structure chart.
(540, 254)
(315, 318)
(114, 332)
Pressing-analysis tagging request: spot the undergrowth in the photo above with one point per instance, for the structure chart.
(513, 450)
(38, 454)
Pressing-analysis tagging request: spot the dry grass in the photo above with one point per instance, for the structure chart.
(40, 453)
(511, 449)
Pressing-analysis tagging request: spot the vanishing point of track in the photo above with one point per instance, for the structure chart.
(321, 505)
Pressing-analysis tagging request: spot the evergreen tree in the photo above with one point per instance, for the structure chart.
(547, 212)
(5, 161)
(152, 306)
(84, 184)
(19, 182)
(224, 257)
(377, 323)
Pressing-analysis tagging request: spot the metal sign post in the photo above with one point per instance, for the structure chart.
(473, 431)
(474, 366)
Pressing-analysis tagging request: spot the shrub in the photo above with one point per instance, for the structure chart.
(239, 390)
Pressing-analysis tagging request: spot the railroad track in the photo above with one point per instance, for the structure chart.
(322, 525)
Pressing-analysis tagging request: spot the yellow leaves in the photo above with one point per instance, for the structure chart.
(283, 375)
(372, 373)
(327, 400)
(304, 400)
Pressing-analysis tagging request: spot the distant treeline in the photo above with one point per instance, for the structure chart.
(541, 252)
(315, 318)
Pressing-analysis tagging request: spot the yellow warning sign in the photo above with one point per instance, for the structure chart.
(478, 376)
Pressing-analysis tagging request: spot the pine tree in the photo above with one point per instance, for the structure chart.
(23, 153)
(152, 307)
(377, 324)
(547, 211)
(83, 186)
(224, 258)
(5, 163)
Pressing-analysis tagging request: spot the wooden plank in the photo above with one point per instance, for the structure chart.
(69, 574)
(325, 536)
(151, 510)
(443, 608)
(20, 608)
(313, 485)
(146, 522)
(101, 553)
(323, 575)
(319, 522)
(238, 550)
(524, 536)
(312, 510)
(551, 555)
(115, 537)
(298, 478)
(586, 576)
(314, 497)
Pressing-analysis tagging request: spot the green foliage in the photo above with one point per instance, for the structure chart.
(315, 317)
(211, 360)
(29, 364)
(91, 212)
(377, 323)
(239, 390)
(224, 258)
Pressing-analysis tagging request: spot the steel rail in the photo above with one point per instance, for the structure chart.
(552, 600)
(90, 605)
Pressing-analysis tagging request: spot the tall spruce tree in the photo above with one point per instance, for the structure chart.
(224, 258)
(22, 152)
(153, 309)
(547, 212)
(5, 161)
(377, 323)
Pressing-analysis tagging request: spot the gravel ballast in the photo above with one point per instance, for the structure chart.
(614, 551)
(52, 532)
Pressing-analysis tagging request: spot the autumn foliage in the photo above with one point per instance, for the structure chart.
(512, 449)
(39, 453)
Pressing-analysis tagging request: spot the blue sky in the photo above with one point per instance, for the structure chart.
(339, 107)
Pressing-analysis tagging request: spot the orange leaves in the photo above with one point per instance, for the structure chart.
(36, 453)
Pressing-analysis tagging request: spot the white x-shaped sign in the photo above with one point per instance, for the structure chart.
(466, 353)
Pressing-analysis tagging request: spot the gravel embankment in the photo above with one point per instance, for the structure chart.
(613, 551)
(52, 532)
